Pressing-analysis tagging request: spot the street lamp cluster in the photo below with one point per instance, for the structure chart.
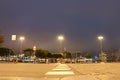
(102, 55)
(60, 38)
(21, 40)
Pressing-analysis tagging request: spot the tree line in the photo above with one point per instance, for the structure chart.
(41, 53)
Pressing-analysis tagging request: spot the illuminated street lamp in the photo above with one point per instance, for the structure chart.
(60, 38)
(21, 40)
(34, 49)
(34, 57)
(102, 55)
(100, 38)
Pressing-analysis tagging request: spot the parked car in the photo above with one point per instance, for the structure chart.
(27, 59)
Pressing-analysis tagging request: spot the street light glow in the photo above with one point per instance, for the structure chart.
(34, 48)
(100, 37)
(22, 38)
(60, 38)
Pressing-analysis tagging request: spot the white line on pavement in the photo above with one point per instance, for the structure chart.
(61, 69)
(60, 73)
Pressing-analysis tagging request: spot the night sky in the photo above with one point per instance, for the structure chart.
(80, 21)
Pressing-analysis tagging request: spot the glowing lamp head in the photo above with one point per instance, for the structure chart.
(34, 48)
(60, 38)
(100, 37)
(22, 38)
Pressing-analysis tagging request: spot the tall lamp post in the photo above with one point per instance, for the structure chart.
(100, 38)
(34, 57)
(60, 38)
(34, 49)
(21, 40)
(102, 54)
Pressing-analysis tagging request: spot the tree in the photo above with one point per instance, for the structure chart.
(76, 54)
(28, 52)
(6, 51)
(49, 55)
(43, 53)
(67, 54)
(40, 53)
(88, 55)
(56, 55)
(79, 54)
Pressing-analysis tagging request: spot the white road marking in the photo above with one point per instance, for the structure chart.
(60, 73)
(61, 69)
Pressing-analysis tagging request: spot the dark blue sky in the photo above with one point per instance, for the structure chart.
(80, 21)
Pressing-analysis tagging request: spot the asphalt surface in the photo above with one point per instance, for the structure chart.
(31, 71)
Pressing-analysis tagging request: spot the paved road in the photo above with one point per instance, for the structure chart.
(106, 71)
(34, 71)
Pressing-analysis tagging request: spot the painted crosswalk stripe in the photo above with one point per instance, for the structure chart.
(61, 69)
(60, 73)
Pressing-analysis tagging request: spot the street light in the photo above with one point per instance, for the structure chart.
(21, 40)
(34, 49)
(60, 38)
(102, 56)
(100, 38)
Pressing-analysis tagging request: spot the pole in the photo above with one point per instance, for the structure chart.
(101, 46)
(60, 46)
(101, 54)
(9, 53)
(21, 39)
(60, 38)
(21, 47)
(76, 58)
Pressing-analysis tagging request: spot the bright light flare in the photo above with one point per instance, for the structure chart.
(60, 38)
(22, 38)
(34, 48)
(100, 37)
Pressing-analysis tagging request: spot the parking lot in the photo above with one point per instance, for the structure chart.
(91, 71)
